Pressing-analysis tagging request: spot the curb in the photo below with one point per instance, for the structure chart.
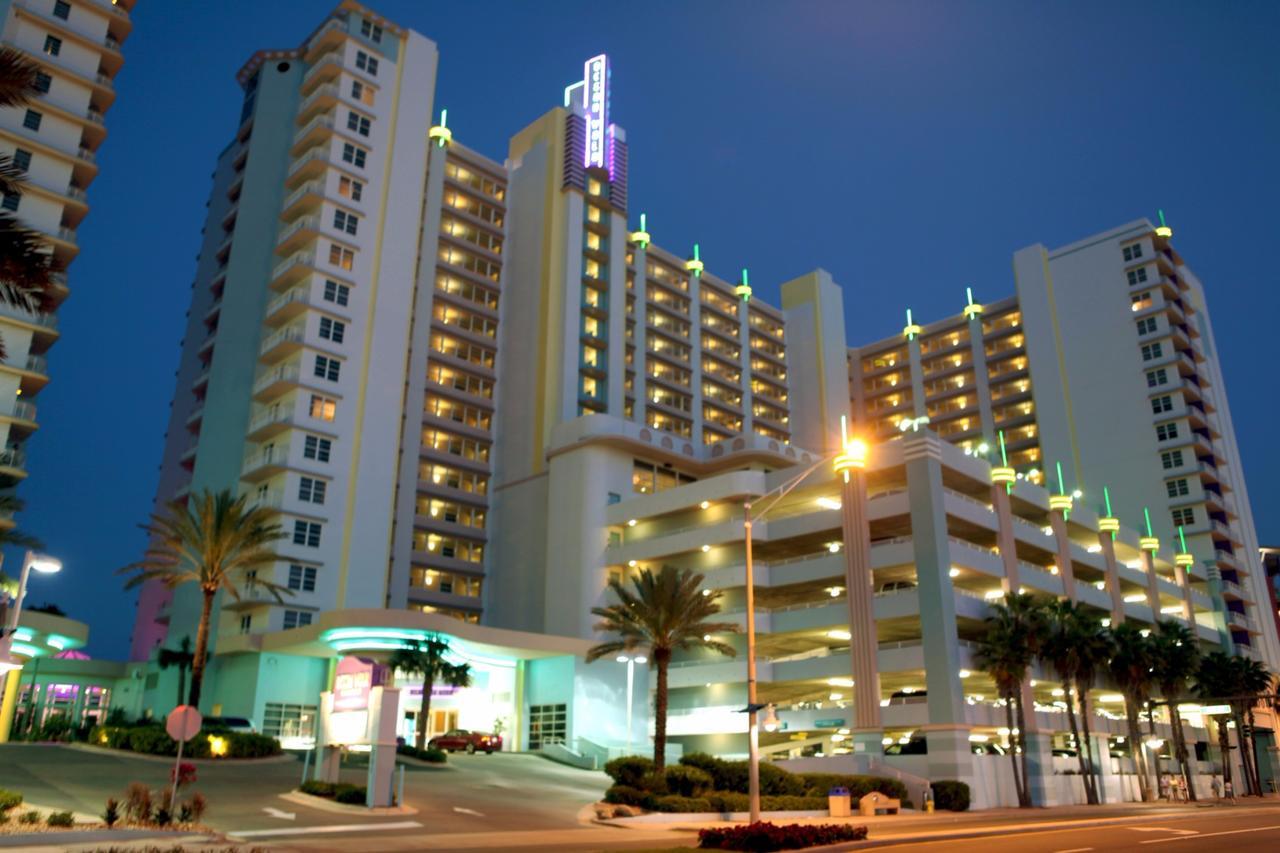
(325, 805)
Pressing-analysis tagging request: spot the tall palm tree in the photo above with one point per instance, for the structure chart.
(1177, 657)
(663, 612)
(181, 657)
(26, 270)
(1131, 670)
(1251, 681)
(1014, 631)
(214, 540)
(1093, 655)
(1068, 639)
(1215, 681)
(428, 659)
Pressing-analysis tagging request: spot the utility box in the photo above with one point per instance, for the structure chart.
(838, 803)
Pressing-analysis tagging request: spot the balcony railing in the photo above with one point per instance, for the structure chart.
(95, 116)
(296, 195)
(112, 44)
(276, 455)
(24, 410)
(67, 234)
(287, 334)
(105, 81)
(325, 120)
(307, 258)
(49, 321)
(297, 294)
(283, 373)
(311, 155)
(329, 90)
(274, 416)
(311, 222)
(13, 457)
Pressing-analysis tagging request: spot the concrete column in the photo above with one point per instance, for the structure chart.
(922, 452)
(1005, 540)
(640, 290)
(744, 359)
(616, 355)
(12, 687)
(981, 387)
(1214, 575)
(1100, 753)
(1153, 584)
(1058, 521)
(1113, 577)
(950, 755)
(695, 357)
(1184, 583)
(863, 645)
(1039, 762)
(918, 409)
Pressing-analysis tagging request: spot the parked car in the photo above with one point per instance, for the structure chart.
(229, 724)
(470, 742)
(896, 586)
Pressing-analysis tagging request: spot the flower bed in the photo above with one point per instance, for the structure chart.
(763, 836)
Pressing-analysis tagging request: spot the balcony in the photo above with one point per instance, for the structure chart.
(41, 321)
(24, 410)
(67, 235)
(284, 340)
(322, 98)
(269, 383)
(313, 131)
(1240, 620)
(309, 164)
(13, 462)
(269, 423)
(265, 462)
(292, 268)
(288, 305)
(294, 236)
(311, 191)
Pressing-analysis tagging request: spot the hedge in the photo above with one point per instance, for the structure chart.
(9, 799)
(687, 781)
(732, 776)
(339, 791)
(154, 740)
(950, 795)
(731, 801)
(629, 770)
(436, 756)
(763, 836)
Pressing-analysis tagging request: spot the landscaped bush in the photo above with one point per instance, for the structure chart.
(112, 815)
(154, 740)
(56, 728)
(820, 784)
(30, 817)
(137, 802)
(731, 801)
(356, 795)
(950, 795)
(687, 781)
(316, 788)
(338, 791)
(684, 805)
(9, 799)
(60, 819)
(732, 777)
(436, 756)
(764, 836)
(625, 795)
(629, 770)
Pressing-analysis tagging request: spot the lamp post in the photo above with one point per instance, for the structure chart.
(631, 662)
(41, 564)
(851, 449)
(31, 562)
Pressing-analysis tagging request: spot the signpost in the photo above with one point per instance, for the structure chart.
(361, 709)
(182, 724)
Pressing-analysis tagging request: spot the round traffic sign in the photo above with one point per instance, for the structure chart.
(183, 723)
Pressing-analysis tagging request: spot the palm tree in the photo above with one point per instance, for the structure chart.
(1215, 681)
(1071, 636)
(1176, 659)
(1131, 669)
(1014, 631)
(1251, 680)
(664, 612)
(215, 541)
(428, 659)
(26, 270)
(181, 658)
(1095, 650)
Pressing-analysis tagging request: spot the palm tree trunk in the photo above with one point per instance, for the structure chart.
(202, 643)
(1075, 735)
(1253, 754)
(1091, 777)
(1135, 748)
(662, 659)
(424, 713)
(1238, 715)
(1013, 753)
(1022, 746)
(1224, 747)
(1180, 745)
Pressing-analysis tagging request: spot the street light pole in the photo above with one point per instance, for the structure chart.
(31, 561)
(631, 662)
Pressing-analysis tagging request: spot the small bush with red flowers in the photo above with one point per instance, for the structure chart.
(763, 836)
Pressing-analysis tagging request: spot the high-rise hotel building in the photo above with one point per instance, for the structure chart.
(477, 391)
(76, 45)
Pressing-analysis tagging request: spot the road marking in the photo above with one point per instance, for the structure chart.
(282, 815)
(309, 830)
(1163, 829)
(1074, 850)
(461, 810)
(1212, 834)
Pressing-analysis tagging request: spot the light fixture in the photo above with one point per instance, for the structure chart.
(623, 658)
(829, 503)
(964, 673)
(705, 504)
(706, 638)
(45, 565)
(1077, 494)
(993, 594)
(836, 697)
(839, 682)
(631, 523)
(771, 723)
(706, 592)
(954, 572)
(706, 548)
(1094, 549)
(835, 591)
(837, 634)
(631, 564)
(834, 547)
(641, 659)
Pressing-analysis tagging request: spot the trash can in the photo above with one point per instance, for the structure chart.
(838, 802)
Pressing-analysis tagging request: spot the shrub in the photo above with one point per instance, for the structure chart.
(317, 788)
(199, 805)
(163, 817)
(351, 794)
(685, 805)
(56, 728)
(117, 716)
(950, 795)
(687, 781)
(431, 753)
(709, 764)
(775, 781)
(137, 802)
(184, 773)
(654, 783)
(629, 770)
(729, 801)
(112, 815)
(819, 784)
(60, 819)
(625, 795)
(9, 799)
(30, 817)
(152, 739)
(764, 836)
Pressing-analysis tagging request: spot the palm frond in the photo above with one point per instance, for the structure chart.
(17, 78)
(26, 267)
(11, 177)
(661, 612)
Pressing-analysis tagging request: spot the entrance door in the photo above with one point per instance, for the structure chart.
(441, 722)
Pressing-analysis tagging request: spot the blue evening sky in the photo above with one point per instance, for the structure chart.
(908, 147)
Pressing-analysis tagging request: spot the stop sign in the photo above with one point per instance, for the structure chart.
(183, 723)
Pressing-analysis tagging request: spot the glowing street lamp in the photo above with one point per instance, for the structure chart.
(32, 562)
(631, 661)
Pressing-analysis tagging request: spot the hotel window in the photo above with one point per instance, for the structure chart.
(314, 447)
(366, 63)
(10, 201)
(296, 619)
(306, 533)
(52, 45)
(311, 490)
(1164, 432)
(1177, 488)
(362, 93)
(332, 330)
(344, 221)
(281, 720)
(323, 408)
(1137, 276)
(547, 725)
(358, 123)
(1146, 325)
(246, 622)
(1152, 351)
(1161, 404)
(340, 257)
(1157, 377)
(1171, 459)
(43, 82)
(1141, 301)
(354, 155)
(349, 188)
(302, 578)
(1134, 251)
(1184, 516)
(370, 30)
(22, 159)
(31, 121)
(61, 9)
(648, 477)
(339, 294)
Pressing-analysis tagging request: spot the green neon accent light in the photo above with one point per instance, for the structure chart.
(444, 118)
(1062, 487)
(968, 295)
(24, 649)
(696, 256)
(23, 634)
(1004, 457)
(59, 642)
(744, 276)
(1160, 212)
(1182, 538)
(642, 223)
(909, 323)
(1106, 496)
(1146, 514)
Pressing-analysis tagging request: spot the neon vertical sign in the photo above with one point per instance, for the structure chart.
(595, 101)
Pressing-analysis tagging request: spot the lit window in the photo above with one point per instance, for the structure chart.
(323, 408)
(52, 45)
